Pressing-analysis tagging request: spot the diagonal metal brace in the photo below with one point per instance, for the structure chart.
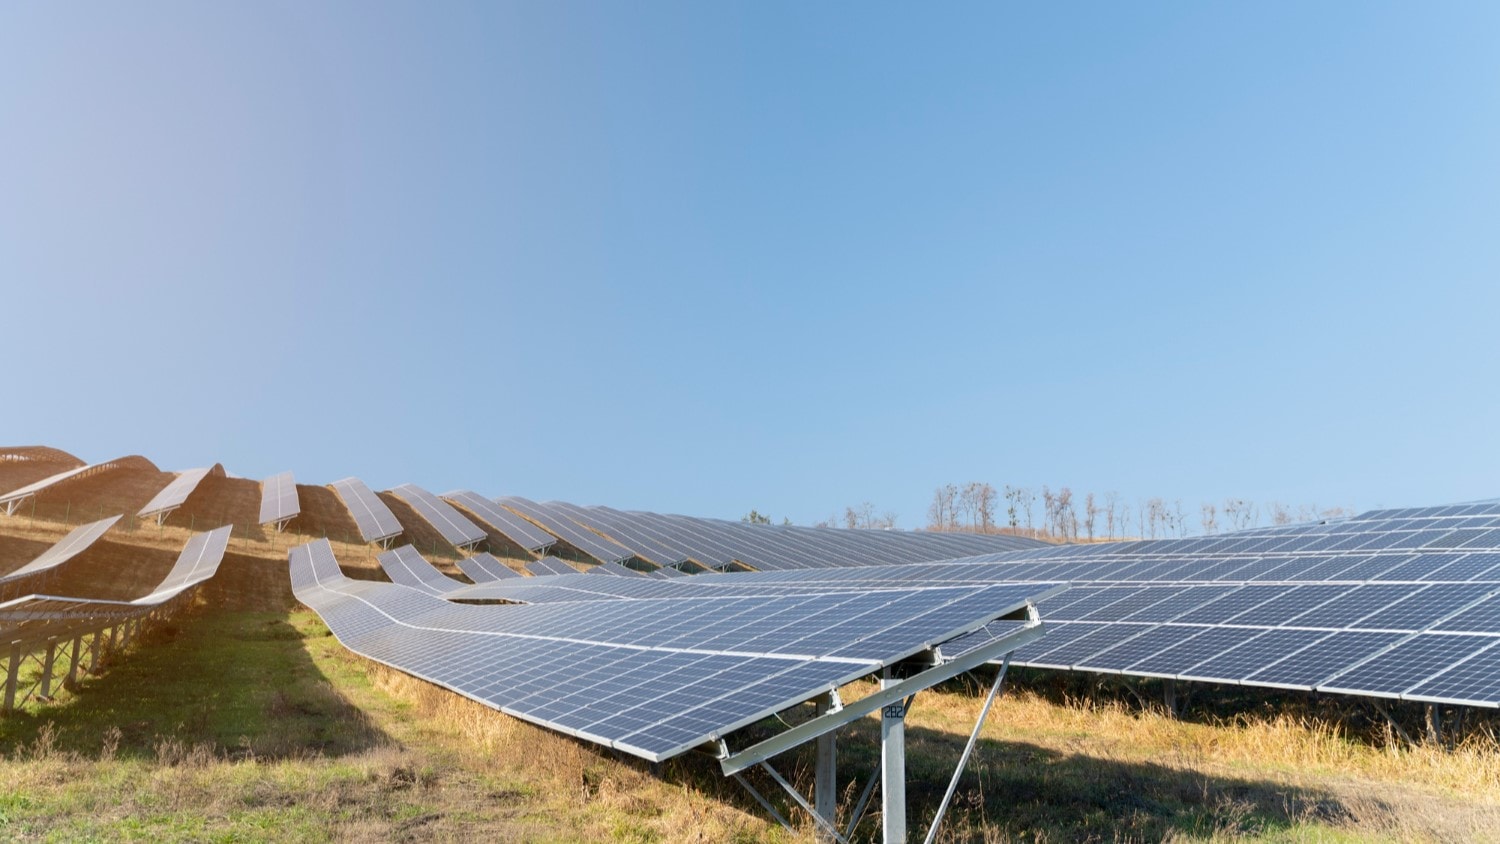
(896, 694)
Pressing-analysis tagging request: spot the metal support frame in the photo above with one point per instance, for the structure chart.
(105, 639)
(893, 762)
(1391, 719)
(864, 798)
(12, 674)
(892, 700)
(47, 665)
(71, 681)
(825, 767)
(963, 760)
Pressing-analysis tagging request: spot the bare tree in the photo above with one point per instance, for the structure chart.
(940, 514)
(1090, 514)
(1180, 517)
(1049, 510)
(1124, 519)
(1281, 514)
(1240, 513)
(862, 517)
(1158, 516)
(984, 506)
(1210, 519)
(1012, 505)
(1028, 501)
(1067, 518)
(1111, 505)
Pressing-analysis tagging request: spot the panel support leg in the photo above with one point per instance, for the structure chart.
(48, 663)
(1390, 719)
(893, 765)
(963, 760)
(1434, 724)
(71, 681)
(12, 675)
(1169, 696)
(825, 772)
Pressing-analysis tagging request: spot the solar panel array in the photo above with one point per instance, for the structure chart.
(408, 568)
(174, 494)
(279, 503)
(1393, 603)
(34, 618)
(376, 522)
(672, 541)
(455, 529)
(585, 540)
(656, 677)
(550, 565)
(483, 568)
(506, 523)
(614, 569)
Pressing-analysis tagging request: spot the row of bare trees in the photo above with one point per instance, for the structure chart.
(1059, 514)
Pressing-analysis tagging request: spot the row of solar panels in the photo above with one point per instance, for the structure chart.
(612, 536)
(1391, 607)
(600, 533)
(36, 616)
(1421, 626)
(654, 677)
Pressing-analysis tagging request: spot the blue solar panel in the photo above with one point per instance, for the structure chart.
(1309, 667)
(550, 565)
(1407, 664)
(1251, 655)
(483, 568)
(1475, 680)
(581, 668)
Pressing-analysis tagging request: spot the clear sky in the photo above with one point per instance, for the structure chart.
(705, 257)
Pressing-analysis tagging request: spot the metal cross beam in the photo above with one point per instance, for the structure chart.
(893, 694)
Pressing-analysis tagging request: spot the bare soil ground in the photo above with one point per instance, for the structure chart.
(418, 532)
(15, 474)
(222, 501)
(323, 514)
(111, 492)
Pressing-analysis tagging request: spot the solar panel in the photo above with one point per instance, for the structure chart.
(1474, 681)
(376, 522)
(550, 565)
(406, 567)
(175, 494)
(483, 568)
(35, 618)
(614, 569)
(1393, 671)
(12, 499)
(278, 500)
(585, 540)
(590, 671)
(1244, 656)
(1307, 668)
(76, 542)
(508, 524)
(455, 529)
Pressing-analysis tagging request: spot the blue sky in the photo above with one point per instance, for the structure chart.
(708, 257)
